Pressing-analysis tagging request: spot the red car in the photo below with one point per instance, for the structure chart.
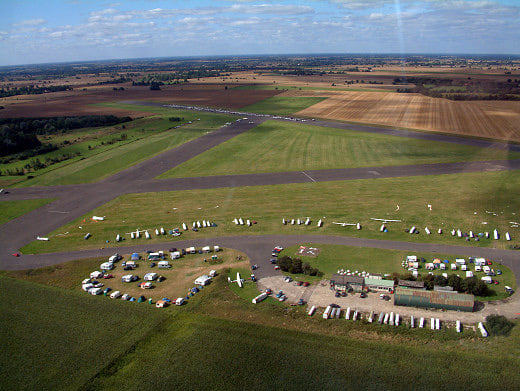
(107, 276)
(306, 283)
(276, 267)
(488, 262)
(16, 254)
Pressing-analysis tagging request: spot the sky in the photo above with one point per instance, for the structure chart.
(36, 31)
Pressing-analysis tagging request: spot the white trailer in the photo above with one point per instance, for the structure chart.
(327, 312)
(432, 324)
(199, 225)
(240, 221)
(482, 329)
(427, 230)
(248, 222)
(383, 227)
(437, 324)
(175, 255)
(259, 298)
(206, 249)
(412, 230)
(320, 223)
(371, 317)
(412, 322)
(179, 301)
(132, 235)
(283, 221)
(458, 326)
(354, 317)
(184, 226)
(333, 313)
(439, 231)
(137, 234)
(216, 249)
(459, 233)
(299, 222)
(471, 235)
(156, 232)
(338, 312)
(312, 310)
(292, 221)
(380, 318)
(358, 226)
(347, 314)
(391, 319)
(486, 234)
(308, 221)
(146, 235)
(204, 223)
(41, 238)
(385, 320)
(421, 323)
(118, 238)
(495, 234)
(162, 231)
(508, 237)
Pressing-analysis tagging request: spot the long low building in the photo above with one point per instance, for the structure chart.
(379, 285)
(434, 299)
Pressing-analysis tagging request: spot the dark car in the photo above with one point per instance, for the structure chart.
(337, 294)
(363, 295)
(273, 260)
(152, 264)
(298, 283)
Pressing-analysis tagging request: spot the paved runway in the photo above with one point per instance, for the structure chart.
(75, 200)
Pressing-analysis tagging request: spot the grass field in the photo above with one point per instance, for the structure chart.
(178, 279)
(145, 138)
(58, 339)
(492, 119)
(373, 260)
(280, 105)
(52, 339)
(454, 198)
(278, 146)
(10, 210)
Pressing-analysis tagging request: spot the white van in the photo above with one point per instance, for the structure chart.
(150, 276)
(212, 273)
(175, 255)
(164, 265)
(95, 291)
(179, 301)
(107, 266)
(115, 295)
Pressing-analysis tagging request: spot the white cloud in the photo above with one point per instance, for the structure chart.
(31, 22)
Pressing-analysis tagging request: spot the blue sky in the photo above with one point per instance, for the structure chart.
(74, 30)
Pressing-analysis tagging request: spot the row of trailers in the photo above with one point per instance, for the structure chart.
(389, 318)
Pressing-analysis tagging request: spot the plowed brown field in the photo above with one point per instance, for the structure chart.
(78, 101)
(493, 119)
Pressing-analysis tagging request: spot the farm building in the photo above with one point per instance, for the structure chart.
(343, 283)
(434, 299)
(411, 284)
(378, 285)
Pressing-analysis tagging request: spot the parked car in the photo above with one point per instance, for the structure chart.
(337, 294)
(306, 284)
(499, 272)
(301, 302)
(276, 267)
(268, 291)
(363, 295)
(107, 276)
(126, 296)
(298, 283)
(273, 260)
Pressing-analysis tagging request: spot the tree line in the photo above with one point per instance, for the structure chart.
(31, 90)
(20, 134)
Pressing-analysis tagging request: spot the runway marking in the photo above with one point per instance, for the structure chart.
(308, 176)
(57, 211)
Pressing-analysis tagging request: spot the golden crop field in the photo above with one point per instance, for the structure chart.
(493, 119)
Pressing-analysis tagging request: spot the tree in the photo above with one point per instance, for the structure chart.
(498, 325)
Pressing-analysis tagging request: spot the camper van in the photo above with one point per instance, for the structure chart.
(106, 266)
(203, 280)
(95, 291)
(164, 265)
(175, 255)
(179, 301)
(150, 277)
(191, 250)
(129, 278)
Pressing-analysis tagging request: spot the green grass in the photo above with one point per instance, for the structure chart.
(10, 210)
(373, 260)
(282, 105)
(454, 198)
(52, 339)
(145, 138)
(237, 355)
(56, 339)
(278, 146)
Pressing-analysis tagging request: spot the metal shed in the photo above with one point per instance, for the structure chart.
(434, 299)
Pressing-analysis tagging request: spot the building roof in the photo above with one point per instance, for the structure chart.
(411, 284)
(439, 297)
(376, 281)
(344, 279)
